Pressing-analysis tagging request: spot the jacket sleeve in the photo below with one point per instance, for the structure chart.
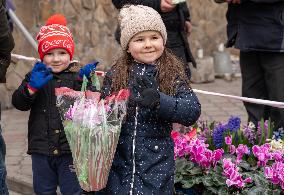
(155, 4)
(185, 11)
(183, 108)
(6, 42)
(21, 99)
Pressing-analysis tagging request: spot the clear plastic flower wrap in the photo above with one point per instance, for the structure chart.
(92, 127)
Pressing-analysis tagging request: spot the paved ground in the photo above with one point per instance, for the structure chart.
(14, 125)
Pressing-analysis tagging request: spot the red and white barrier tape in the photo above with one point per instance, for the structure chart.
(244, 99)
(32, 59)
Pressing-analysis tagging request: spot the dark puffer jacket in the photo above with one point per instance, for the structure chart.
(45, 130)
(256, 26)
(145, 151)
(6, 42)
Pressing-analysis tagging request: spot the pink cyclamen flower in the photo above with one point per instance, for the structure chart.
(234, 178)
(240, 151)
(262, 154)
(275, 173)
(232, 149)
(278, 156)
(228, 140)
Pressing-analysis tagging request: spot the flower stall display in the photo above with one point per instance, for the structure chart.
(217, 158)
(92, 127)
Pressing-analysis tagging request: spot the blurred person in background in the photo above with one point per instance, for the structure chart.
(256, 28)
(6, 46)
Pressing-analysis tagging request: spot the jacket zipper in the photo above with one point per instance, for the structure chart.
(134, 142)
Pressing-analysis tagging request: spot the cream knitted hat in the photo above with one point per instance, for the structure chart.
(138, 18)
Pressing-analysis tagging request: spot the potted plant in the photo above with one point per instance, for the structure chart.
(216, 158)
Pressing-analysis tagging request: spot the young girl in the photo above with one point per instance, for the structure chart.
(160, 95)
(52, 162)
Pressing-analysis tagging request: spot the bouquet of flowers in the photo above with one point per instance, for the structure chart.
(92, 127)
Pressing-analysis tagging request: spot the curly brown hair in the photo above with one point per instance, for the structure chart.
(168, 65)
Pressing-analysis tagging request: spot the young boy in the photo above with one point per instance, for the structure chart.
(52, 162)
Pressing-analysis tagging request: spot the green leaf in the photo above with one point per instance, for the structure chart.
(207, 181)
(212, 189)
(259, 179)
(263, 133)
(198, 180)
(272, 192)
(95, 81)
(230, 156)
(256, 191)
(219, 180)
(180, 164)
(188, 183)
(223, 191)
(218, 169)
(189, 166)
(252, 160)
(246, 166)
(195, 170)
(178, 178)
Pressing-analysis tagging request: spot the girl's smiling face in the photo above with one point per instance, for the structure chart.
(57, 59)
(146, 47)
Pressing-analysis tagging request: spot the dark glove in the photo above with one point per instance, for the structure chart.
(39, 77)
(148, 90)
(143, 82)
(88, 69)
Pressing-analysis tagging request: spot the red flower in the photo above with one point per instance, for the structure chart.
(109, 98)
(175, 134)
(65, 91)
(123, 94)
(93, 95)
(191, 134)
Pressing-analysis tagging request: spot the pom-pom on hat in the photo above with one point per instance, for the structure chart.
(138, 18)
(55, 34)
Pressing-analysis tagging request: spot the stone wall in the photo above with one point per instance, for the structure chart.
(93, 23)
(209, 25)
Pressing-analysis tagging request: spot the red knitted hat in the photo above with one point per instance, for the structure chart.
(55, 34)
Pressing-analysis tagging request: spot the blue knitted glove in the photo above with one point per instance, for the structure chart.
(40, 75)
(88, 69)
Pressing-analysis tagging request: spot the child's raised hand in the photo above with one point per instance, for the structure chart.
(40, 76)
(88, 69)
(148, 90)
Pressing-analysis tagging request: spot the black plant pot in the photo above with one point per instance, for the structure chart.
(179, 190)
(189, 191)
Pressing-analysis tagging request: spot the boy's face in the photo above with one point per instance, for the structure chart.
(57, 59)
(146, 47)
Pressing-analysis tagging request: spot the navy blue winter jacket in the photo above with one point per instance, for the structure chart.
(256, 25)
(144, 159)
